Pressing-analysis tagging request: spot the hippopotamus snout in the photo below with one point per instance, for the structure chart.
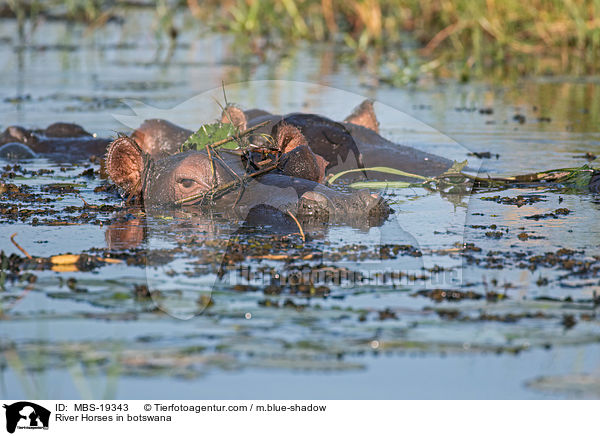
(357, 209)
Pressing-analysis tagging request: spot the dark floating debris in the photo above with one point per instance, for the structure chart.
(589, 156)
(519, 118)
(563, 211)
(519, 200)
(439, 295)
(484, 154)
(568, 321)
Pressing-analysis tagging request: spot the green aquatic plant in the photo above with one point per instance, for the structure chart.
(571, 178)
(219, 136)
(385, 170)
(209, 134)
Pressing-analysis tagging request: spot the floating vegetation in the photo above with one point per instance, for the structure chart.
(579, 178)
(223, 135)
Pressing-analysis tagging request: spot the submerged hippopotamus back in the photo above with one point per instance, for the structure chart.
(60, 141)
(16, 151)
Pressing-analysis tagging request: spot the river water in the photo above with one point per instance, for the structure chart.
(513, 316)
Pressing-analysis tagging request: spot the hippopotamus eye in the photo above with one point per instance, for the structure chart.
(186, 183)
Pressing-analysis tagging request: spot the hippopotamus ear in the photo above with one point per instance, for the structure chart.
(287, 137)
(302, 162)
(125, 164)
(236, 116)
(364, 115)
(18, 134)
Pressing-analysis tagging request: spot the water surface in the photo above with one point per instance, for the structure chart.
(514, 318)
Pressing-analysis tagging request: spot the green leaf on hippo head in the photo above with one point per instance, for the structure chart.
(456, 167)
(209, 134)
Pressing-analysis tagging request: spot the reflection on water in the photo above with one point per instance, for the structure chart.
(470, 276)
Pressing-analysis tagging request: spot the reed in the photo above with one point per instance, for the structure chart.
(474, 36)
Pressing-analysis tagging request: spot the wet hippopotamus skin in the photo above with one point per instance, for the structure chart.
(160, 138)
(337, 146)
(61, 141)
(352, 143)
(165, 181)
(16, 151)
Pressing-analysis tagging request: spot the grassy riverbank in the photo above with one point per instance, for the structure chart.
(459, 38)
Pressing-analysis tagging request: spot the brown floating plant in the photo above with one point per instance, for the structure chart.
(60, 262)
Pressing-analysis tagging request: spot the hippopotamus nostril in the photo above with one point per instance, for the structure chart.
(317, 205)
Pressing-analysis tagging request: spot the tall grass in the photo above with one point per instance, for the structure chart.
(475, 34)
(479, 33)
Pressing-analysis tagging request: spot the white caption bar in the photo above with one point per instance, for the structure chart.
(158, 417)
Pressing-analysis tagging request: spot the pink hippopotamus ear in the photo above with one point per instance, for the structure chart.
(364, 115)
(236, 116)
(288, 137)
(125, 164)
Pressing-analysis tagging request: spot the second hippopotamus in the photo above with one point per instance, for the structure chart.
(60, 141)
(352, 143)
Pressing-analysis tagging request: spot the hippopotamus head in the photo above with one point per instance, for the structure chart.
(184, 179)
(160, 138)
(170, 179)
(66, 142)
(161, 181)
(64, 130)
(18, 134)
(33, 137)
(154, 147)
(331, 142)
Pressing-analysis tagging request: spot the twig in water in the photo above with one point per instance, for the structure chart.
(299, 226)
(12, 239)
(86, 204)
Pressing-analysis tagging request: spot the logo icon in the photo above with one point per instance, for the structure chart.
(26, 415)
